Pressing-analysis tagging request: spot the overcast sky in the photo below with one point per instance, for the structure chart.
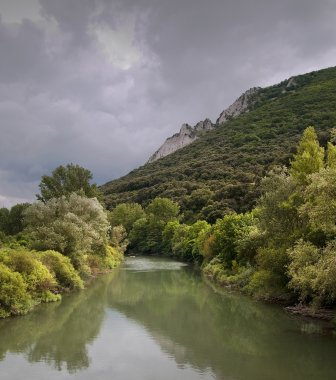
(102, 83)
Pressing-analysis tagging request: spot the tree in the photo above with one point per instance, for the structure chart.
(11, 221)
(126, 214)
(227, 232)
(320, 201)
(331, 155)
(4, 217)
(302, 269)
(312, 272)
(73, 225)
(66, 180)
(147, 232)
(278, 207)
(163, 209)
(309, 157)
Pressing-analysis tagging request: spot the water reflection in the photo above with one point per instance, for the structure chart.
(232, 335)
(154, 313)
(58, 333)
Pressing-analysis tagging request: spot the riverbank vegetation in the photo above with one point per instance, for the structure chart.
(55, 244)
(282, 250)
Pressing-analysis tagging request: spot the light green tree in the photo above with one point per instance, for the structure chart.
(331, 156)
(73, 225)
(309, 157)
(320, 201)
(126, 214)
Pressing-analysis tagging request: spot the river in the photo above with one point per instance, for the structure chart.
(154, 319)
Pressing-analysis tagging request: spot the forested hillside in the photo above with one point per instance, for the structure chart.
(221, 172)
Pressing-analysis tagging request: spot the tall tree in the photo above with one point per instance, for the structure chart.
(65, 180)
(74, 226)
(309, 157)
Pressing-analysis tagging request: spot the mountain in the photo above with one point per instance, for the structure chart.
(221, 171)
(189, 134)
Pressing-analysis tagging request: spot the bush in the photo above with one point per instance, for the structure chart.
(325, 283)
(302, 269)
(111, 258)
(40, 282)
(267, 285)
(14, 297)
(62, 269)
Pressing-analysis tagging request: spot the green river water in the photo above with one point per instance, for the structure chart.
(156, 319)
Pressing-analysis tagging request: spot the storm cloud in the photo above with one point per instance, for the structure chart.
(103, 83)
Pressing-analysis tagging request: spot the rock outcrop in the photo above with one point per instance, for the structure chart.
(186, 136)
(240, 106)
(189, 134)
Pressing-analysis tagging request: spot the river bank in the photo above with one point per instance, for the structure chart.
(302, 310)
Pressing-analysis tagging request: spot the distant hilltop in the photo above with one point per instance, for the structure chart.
(189, 134)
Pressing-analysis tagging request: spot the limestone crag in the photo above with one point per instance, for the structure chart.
(189, 134)
(186, 136)
(240, 106)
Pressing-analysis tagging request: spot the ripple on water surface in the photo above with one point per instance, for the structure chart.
(145, 264)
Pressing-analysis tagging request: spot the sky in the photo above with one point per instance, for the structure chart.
(102, 83)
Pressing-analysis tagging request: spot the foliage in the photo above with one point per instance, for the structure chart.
(302, 269)
(163, 209)
(119, 238)
(325, 283)
(320, 201)
(14, 297)
(66, 180)
(110, 258)
(277, 208)
(309, 157)
(73, 225)
(227, 232)
(11, 221)
(62, 269)
(147, 233)
(126, 214)
(313, 272)
(40, 282)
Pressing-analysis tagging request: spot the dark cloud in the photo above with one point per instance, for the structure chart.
(102, 83)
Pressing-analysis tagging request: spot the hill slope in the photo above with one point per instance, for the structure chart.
(221, 171)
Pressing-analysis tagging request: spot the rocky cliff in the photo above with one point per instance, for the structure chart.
(240, 106)
(188, 134)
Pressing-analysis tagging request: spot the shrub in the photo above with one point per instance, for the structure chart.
(14, 297)
(111, 258)
(302, 269)
(36, 276)
(62, 269)
(325, 282)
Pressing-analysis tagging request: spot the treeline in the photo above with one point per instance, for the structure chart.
(57, 243)
(283, 250)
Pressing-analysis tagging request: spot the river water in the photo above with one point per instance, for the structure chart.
(156, 319)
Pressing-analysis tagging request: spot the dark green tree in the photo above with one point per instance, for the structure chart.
(65, 180)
